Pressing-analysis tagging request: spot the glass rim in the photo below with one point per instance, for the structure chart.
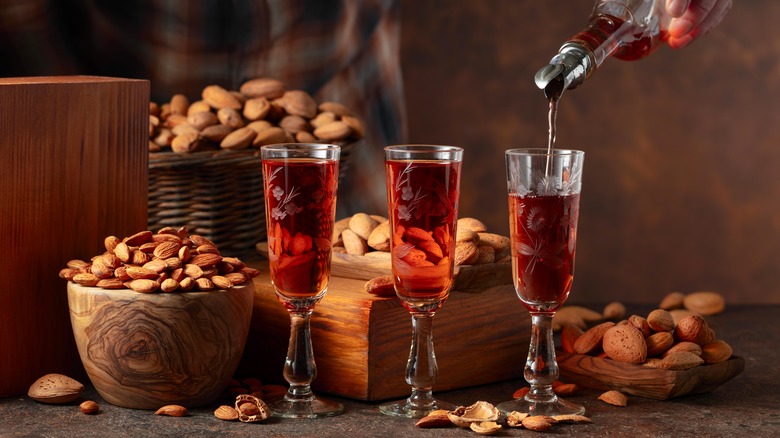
(421, 147)
(543, 152)
(300, 146)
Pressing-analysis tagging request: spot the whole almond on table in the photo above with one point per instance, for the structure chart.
(55, 389)
(381, 286)
(226, 413)
(172, 411)
(614, 311)
(89, 407)
(705, 303)
(615, 398)
(433, 420)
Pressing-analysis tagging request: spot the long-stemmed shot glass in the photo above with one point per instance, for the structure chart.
(300, 182)
(544, 204)
(423, 187)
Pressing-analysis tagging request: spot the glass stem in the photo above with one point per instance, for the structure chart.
(421, 369)
(299, 367)
(541, 369)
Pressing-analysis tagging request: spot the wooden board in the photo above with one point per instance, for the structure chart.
(361, 342)
(604, 374)
(73, 169)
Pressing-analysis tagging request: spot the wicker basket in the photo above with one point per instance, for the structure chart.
(217, 194)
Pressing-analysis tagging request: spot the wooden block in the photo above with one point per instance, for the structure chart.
(73, 170)
(361, 342)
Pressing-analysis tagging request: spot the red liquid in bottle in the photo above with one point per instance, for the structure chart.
(604, 32)
(300, 207)
(423, 204)
(544, 236)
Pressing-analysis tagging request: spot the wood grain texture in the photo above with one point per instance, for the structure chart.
(145, 351)
(73, 166)
(604, 374)
(361, 342)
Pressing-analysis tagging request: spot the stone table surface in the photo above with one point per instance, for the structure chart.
(747, 406)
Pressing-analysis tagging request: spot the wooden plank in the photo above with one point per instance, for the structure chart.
(73, 170)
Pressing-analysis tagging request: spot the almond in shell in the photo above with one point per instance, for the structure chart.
(55, 389)
(218, 98)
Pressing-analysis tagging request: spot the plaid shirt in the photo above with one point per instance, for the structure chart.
(340, 50)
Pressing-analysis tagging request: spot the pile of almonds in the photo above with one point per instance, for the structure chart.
(369, 236)
(168, 261)
(659, 340)
(263, 111)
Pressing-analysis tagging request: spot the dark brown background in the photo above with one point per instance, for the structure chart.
(681, 187)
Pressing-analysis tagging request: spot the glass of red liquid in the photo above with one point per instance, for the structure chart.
(544, 203)
(423, 188)
(300, 182)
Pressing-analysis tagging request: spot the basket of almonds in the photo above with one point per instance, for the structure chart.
(205, 170)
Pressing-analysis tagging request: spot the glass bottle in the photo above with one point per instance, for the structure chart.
(624, 29)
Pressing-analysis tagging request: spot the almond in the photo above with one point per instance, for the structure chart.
(678, 314)
(381, 286)
(111, 283)
(299, 103)
(256, 108)
(139, 238)
(465, 253)
(172, 411)
(625, 343)
(205, 260)
(614, 311)
(355, 125)
(138, 272)
(167, 249)
(305, 137)
(590, 341)
(566, 389)
(569, 335)
(433, 420)
(143, 286)
(495, 241)
(640, 324)
(110, 243)
(575, 315)
(690, 347)
(362, 224)
(705, 303)
(660, 320)
(515, 418)
(230, 117)
(323, 118)
(694, 329)
(522, 392)
(185, 142)
(353, 243)
(379, 238)
(218, 98)
(466, 235)
(674, 300)
(571, 418)
(536, 423)
(197, 106)
(335, 108)
(55, 389)
(259, 406)
(239, 139)
(86, 279)
(681, 360)
(226, 413)
(472, 224)
(333, 131)
(179, 104)
(294, 124)
(221, 282)
(615, 398)
(716, 352)
(658, 343)
(270, 135)
(201, 120)
(122, 251)
(263, 87)
(89, 407)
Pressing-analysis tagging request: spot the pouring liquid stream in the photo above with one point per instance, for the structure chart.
(553, 91)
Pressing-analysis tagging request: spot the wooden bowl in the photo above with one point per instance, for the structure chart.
(145, 351)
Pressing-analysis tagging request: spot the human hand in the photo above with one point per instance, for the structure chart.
(693, 18)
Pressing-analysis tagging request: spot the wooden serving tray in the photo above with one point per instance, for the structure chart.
(605, 374)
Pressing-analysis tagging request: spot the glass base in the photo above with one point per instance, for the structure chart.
(310, 407)
(403, 408)
(550, 408)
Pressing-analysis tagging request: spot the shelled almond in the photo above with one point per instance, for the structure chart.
(170, 260)
(263, 111)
